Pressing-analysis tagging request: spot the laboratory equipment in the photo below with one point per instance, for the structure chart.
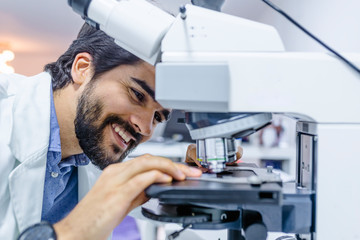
(211, 62)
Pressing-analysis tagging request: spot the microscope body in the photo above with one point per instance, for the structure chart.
(210, 62)
(316, 89)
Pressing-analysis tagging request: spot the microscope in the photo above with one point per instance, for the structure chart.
(230, 75)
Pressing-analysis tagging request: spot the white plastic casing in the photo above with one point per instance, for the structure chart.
(205, 30)
(136, 25)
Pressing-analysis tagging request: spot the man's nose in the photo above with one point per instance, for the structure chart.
(143, 122)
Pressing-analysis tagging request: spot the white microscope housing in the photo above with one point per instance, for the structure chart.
(213, 62)
(219, 63)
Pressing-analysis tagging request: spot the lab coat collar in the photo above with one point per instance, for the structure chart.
(29, 144)
(26, 185)
(31, 113)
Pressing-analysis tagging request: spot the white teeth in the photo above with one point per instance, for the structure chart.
(124, 136)
(121, 133)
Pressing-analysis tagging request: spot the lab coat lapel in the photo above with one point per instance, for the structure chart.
(31, 116)
(30, 130)
(26, 184)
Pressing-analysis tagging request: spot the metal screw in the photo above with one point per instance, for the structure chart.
(254, 180)
(183, 12)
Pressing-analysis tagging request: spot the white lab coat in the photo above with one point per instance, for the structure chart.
(24, 140)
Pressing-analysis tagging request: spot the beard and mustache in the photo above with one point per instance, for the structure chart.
(91, 136)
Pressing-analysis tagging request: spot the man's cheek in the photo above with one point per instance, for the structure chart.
(144, 139)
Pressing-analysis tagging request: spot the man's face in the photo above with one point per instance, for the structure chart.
(116, 112)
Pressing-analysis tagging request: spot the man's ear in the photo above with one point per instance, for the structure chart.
(81, 70)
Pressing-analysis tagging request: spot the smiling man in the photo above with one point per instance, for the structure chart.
(89, 108)
(116, 109)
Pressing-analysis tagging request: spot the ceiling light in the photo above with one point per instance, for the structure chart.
(5, 57)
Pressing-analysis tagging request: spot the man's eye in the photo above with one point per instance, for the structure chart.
(158, 117)
(138, 95)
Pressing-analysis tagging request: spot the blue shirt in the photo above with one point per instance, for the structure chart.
(61, 178)
(61, 184)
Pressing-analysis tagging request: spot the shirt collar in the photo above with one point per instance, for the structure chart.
(54, 141)
(55, 144)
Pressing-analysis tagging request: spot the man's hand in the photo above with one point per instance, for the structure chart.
(191, 157)
(119, 189)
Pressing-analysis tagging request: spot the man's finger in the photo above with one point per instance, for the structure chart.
(239, 153)
(189, 171)
(136, 185)
(190, 158)
(121, 172)
(191, 152)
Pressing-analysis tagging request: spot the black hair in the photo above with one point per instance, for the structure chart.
(106, 55)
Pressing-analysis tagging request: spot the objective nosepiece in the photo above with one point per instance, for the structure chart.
(214, 153)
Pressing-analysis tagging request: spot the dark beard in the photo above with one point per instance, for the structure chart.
(91, 136)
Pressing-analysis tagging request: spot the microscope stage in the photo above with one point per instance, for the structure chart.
(237, 185)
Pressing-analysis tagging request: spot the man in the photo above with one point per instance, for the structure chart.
(100, 106)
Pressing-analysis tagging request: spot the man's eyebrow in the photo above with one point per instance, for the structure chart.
(145, 86)
(151, 92)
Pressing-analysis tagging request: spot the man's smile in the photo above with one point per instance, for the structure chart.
(122, 137)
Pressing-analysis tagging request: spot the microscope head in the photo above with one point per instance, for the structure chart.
(216, 135)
